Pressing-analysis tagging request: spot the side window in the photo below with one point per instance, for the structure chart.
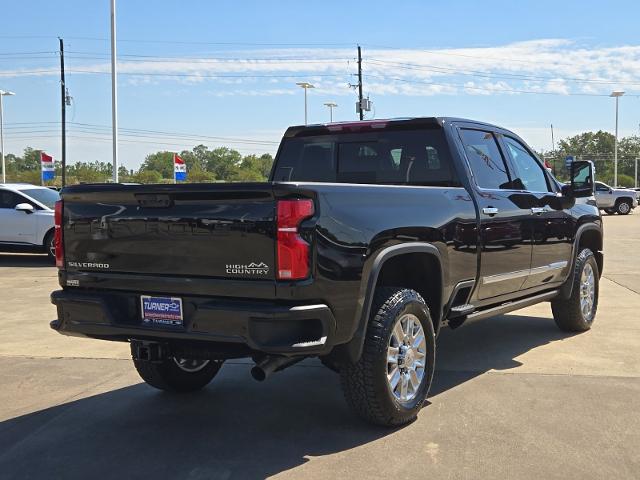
(601, 187)
(486, 161)
(10, 199)
(310, 162)
(527, 169)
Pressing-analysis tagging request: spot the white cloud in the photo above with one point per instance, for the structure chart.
(556, 66)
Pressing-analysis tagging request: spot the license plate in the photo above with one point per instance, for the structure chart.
(161, 310)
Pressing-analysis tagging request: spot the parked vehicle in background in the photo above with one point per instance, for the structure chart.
(368, 239)
(616, 200)
(26, 218)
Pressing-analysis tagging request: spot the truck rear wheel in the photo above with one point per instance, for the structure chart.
(577, 313)
(178, 374)
(389, 383)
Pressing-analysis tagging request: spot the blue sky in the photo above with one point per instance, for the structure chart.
(210, 71)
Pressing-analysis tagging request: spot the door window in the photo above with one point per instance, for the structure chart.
(9, 199)
(485, 158)
(527, 169)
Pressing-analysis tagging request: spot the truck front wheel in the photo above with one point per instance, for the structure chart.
(623, 207)
(577, 313)
(178, 374)
(389, 383)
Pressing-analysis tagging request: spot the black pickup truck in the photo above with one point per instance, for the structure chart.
(367, 239)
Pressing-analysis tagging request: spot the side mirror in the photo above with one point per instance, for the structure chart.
(25, 207)
(582, 182)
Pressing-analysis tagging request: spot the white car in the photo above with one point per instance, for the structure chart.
(26, 218)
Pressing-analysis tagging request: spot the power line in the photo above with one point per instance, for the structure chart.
(509, 76)
(27, 53)
(249, 44)
(157, 74)
(215, 59)
(493, 90)
(134, 133)
(477, 57)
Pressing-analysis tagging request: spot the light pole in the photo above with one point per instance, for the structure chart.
(331, 106)
(3, 93)
(306, 86)
(114, 93)
(616, 94)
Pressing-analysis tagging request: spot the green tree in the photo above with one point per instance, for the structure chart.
(124, 175)
(258, 164)
(147, 176)
(224, 163)
(587, 144)
(89, 172)
(161, 162)
(198, 175)
(629, 147)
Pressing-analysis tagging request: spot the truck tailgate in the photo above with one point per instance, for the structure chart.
(212, 230)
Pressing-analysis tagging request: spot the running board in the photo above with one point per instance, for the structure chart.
(511, 306)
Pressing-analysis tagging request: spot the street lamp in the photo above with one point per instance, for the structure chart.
(617, 94)
(306, 86)
(3, 93)
(331, 106)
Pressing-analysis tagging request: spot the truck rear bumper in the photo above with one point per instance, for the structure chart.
(258, 325)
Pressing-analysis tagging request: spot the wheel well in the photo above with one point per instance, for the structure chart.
(624, 199)
(46, 234)
(592, 239)
(420, 272)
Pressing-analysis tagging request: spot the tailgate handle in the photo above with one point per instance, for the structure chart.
(154, 201)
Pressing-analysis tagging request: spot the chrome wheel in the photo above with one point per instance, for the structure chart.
(406, 357)
(52, 248)
(623, 208)
(190, 365)
(587, 291)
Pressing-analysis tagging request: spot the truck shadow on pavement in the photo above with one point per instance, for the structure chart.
(24, 260)
(236, 428)
(490, 344)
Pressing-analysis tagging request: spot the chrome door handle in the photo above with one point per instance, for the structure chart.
(491, 211)
(539, 210)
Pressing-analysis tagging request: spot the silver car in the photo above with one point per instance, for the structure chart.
(616, 200)
(26, 218)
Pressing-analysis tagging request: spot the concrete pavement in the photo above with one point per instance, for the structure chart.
(513, 398)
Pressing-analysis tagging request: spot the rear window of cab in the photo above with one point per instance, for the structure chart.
(404, 157)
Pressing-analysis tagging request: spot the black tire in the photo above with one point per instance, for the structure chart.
(610, 211)
(568, 313)
(170, 377)
(49, 247)
(365, 383)
(623, 207)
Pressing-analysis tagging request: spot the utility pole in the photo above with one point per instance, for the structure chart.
(360, 109)
(553, 146)
(63, 98)
(114, 92)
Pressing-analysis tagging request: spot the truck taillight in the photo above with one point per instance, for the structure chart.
(57, 236)
(293, 251)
